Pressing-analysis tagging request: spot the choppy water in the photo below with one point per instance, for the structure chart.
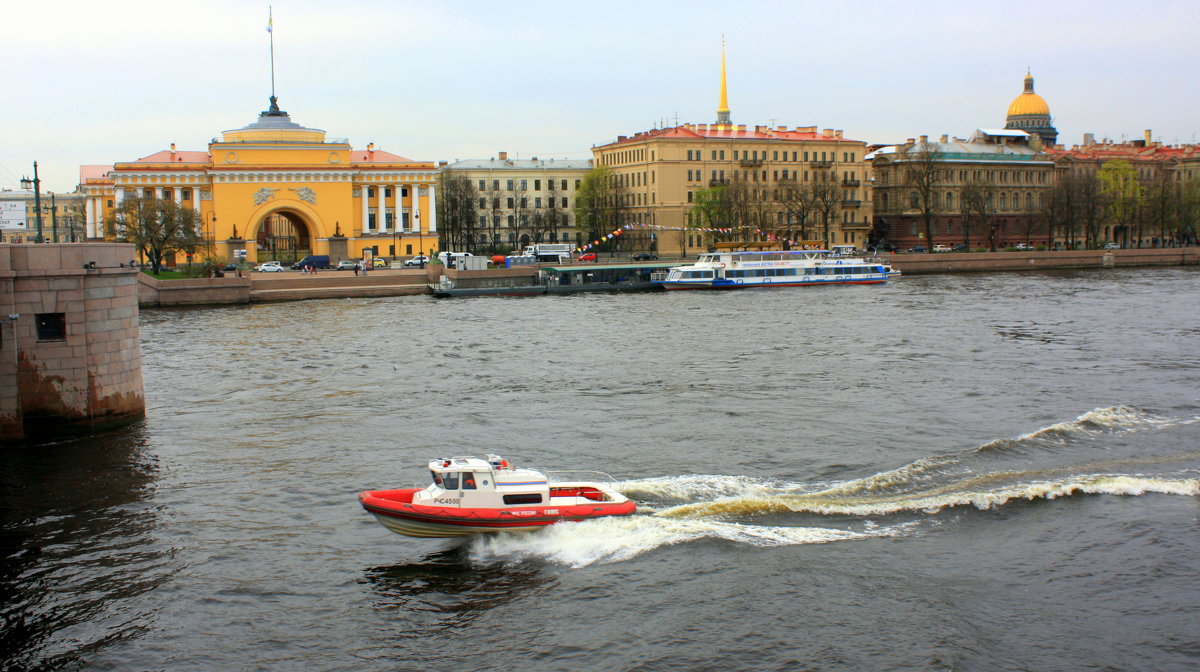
(986, 472)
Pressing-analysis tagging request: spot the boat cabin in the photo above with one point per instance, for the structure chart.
(470, 482)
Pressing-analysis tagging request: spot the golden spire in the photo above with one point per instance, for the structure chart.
(723, 106)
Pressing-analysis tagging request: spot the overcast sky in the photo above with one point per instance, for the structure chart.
(100, 82)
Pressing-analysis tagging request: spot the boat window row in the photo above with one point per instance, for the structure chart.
(781, 272)
(451, 480)
(697, 275)
(526, 498)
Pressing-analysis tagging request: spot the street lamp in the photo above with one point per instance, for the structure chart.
(36, 183)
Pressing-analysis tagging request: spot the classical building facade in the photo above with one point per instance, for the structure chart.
(988, 188)
(520, 201)
(659, 175)
(62, 217)
(278, 190)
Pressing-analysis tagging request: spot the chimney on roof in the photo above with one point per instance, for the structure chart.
(443, 164)
(173, 144)
(1089, 139)
(534, 158)
(827, 131)
(910, 141)
(1148, 140)
(503, 156)
(370, 146)
(781, 128)
(741, 128)
(945, 138)
(924, 139)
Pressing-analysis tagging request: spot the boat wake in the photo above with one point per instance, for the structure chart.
(617, 539)
(1036, 466)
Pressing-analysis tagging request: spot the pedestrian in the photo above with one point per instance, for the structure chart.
(356, 269)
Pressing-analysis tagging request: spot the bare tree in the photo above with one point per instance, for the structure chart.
(456, 211)
(799, 204)
(828, 197)
(976, 202)
(923, 172)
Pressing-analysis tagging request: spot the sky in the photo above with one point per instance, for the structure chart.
(100, 82)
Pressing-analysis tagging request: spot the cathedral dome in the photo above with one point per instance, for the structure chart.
(1028, 102)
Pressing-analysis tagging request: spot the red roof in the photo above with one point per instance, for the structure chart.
(376, 156)
(169, 156)
(93, 173)
(731, 132)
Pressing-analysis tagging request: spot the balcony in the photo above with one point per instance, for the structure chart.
(751, 163)
(851, 183)
(849, 203)
(821, 164)
(717, 183)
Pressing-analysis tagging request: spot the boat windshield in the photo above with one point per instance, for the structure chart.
(437, 478)
(450, 480)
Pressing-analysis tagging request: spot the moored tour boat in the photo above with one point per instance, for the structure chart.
(790, 268)
(471, 495)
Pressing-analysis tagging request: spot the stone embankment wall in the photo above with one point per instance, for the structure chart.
(962, 262)
(70, 351)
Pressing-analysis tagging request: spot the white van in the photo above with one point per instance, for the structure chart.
(445, 257)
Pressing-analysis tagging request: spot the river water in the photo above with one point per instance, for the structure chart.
(972, 472)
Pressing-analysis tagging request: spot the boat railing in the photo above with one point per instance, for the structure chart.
(578, 475)
(659, 276)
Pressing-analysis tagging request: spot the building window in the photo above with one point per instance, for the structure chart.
(51, 326)
(483, 185)
(524, 185)
(509, 185)
(689, 197)
(185, 194)
(371, 220)
(408, 249)
(511, 201)
(564, 201)
(387, 193)
(537, 202)
(110, 202)
(370, 192)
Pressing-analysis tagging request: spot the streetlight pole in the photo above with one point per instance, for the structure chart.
(53, 220)
(36, 183)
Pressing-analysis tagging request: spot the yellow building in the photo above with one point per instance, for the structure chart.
(660, 174)
(279, 190)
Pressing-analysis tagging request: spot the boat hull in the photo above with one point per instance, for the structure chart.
(672, 286)
(417, 520)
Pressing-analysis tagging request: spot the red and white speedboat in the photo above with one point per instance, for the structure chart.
(469, 495)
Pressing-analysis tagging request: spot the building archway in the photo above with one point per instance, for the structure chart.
(284, 236)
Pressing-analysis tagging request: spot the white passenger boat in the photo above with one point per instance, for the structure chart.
(792, 268)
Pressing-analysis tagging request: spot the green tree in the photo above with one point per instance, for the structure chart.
(597, 203)
(799, 204)
(157, 227)
(1123, 197)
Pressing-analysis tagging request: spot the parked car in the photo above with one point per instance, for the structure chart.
(379, 262)
(1024, 246)
(419, 260)
(347, 265)
(1112, 246)
(645, 256)
(269, 267)
(917, 248)
(941, 248)
(589, 256)
(312, 261)
(961, 247)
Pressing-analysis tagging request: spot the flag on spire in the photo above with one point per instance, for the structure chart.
(270, 21)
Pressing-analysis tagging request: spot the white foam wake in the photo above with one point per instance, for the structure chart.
(617, 539)
(964, 493)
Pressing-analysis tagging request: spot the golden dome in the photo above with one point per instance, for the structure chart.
(1028, 102)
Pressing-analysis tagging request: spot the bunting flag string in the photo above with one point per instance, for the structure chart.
(767, 234)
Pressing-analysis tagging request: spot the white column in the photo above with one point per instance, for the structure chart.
(158, 193)
(416, 207)
(90, 209)
(178, 197)
(432, 228)
(365, 208)
(380, 214)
